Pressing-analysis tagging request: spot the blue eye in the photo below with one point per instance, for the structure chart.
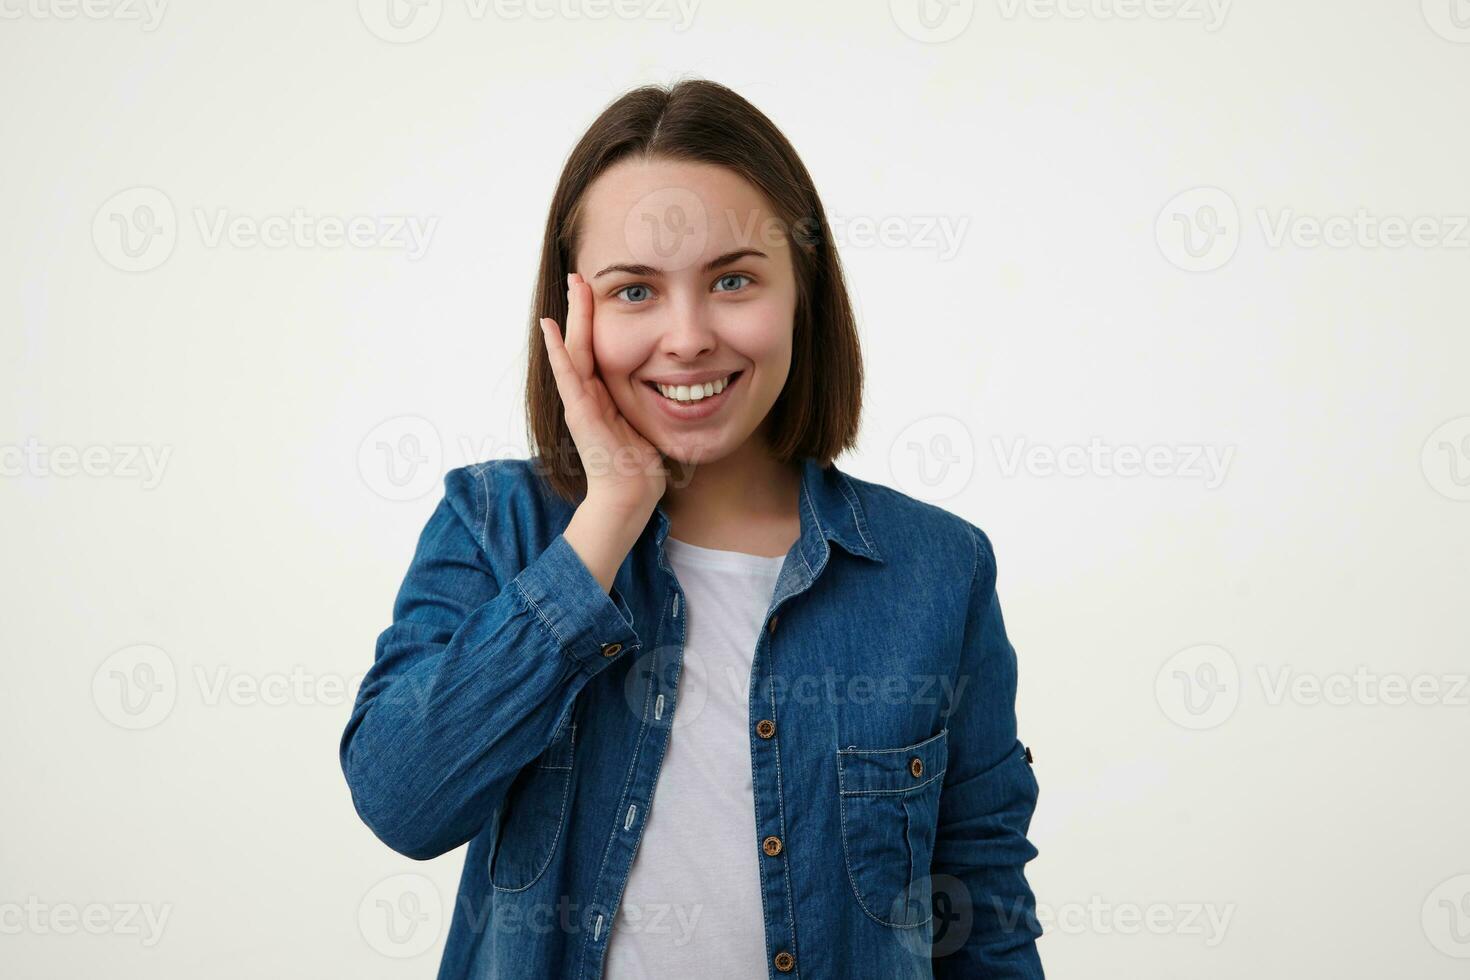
(639, 301)
(634, 286)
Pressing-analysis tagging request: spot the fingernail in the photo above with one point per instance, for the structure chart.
(569, 278)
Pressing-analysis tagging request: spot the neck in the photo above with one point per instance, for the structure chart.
(747, 487)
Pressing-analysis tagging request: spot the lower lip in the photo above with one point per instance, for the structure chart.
(691, 411)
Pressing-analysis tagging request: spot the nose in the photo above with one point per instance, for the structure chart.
(687, 333)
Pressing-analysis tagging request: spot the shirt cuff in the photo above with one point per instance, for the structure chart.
(591, 626)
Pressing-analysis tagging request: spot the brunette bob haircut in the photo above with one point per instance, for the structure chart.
(817, 413)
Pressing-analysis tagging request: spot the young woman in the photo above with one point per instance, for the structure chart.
(701, 703)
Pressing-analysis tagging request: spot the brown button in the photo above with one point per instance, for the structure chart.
(785, 961)
(611, 649)
(916, 766)
(1028, 755)
(771, 845)
(765, 728)
(772, 627)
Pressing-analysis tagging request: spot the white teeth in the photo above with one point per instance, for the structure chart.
(693, 393)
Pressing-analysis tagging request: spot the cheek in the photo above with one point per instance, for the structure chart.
(764, 332)
(616, 356)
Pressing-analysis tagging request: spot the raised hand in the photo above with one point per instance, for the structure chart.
(623, 468)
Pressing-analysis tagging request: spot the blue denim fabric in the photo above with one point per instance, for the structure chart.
(515, 705)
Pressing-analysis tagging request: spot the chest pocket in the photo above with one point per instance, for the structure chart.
(889, 803)
(534, 814)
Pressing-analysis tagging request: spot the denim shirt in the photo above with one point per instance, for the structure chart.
(515, 705)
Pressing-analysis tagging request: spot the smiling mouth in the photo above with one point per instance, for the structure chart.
(730, 382)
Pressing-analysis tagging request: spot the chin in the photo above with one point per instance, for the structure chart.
(692, 451)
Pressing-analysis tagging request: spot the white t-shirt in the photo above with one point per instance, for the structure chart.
(692, 904)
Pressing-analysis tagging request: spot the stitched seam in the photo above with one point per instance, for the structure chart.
(893, 792)
(539, 614)
(943, 732)
(857, 514)
(566, 782)
(479, 472)
(847, 862)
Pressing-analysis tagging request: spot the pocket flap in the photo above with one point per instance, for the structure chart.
(897, 770)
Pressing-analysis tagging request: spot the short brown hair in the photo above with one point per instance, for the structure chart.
(817, 413)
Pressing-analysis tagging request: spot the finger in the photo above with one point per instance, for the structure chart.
(567, 380)
(579, 325)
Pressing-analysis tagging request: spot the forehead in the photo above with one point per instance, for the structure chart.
(672, 215)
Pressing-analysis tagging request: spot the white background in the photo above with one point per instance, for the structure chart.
(1197, 817)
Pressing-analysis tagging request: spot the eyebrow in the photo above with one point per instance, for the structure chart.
(710, 266)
